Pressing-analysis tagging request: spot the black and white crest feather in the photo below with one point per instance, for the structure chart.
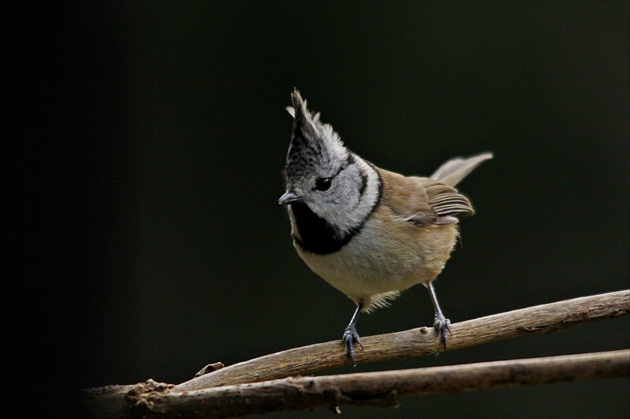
(313, 144)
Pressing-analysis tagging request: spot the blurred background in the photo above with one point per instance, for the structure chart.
(146, 142)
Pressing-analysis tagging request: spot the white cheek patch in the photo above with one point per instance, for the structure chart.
(357, 207)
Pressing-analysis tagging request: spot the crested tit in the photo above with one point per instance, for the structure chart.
(369, 232)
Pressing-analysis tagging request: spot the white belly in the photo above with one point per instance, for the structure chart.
(374, 263)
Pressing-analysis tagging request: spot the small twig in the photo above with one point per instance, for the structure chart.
(209, 368)
(377, 388)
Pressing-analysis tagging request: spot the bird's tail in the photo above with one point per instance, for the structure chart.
(454, 170)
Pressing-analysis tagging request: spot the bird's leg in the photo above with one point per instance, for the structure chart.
(441, 324)
(350, 335)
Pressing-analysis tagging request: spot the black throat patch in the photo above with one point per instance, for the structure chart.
(316, 235)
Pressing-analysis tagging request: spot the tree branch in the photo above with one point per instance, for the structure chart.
(418, 342)
(375, 388)
(111, 401)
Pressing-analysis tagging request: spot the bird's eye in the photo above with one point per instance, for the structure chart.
(323, 183)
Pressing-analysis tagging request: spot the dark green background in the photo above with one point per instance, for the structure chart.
(148, 139)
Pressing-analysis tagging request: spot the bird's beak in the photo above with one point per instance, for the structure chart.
(289, 197)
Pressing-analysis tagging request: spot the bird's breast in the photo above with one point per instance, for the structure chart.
(384, 256)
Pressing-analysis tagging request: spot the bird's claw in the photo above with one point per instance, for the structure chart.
(350, 337)
(442, 327)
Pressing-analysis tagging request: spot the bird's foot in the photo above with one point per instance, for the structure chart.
(350, 337)
(442, 327)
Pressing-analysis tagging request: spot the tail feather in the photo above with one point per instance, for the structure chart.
(454, 170)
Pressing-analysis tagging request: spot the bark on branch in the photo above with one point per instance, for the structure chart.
(112, 401)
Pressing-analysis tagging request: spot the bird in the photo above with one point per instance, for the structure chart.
(369, 232)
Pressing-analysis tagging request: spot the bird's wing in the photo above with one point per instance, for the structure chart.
(423, 201)
(445, 200)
